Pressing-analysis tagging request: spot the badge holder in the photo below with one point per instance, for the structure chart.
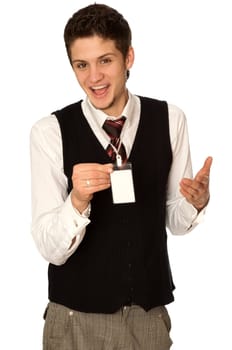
(122, 182)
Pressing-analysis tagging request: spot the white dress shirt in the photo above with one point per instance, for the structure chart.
(55, 222)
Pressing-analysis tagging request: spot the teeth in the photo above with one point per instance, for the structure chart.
(98, 87)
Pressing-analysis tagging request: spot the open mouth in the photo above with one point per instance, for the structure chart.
(99, 90)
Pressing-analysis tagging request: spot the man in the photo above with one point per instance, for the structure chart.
(106, 242)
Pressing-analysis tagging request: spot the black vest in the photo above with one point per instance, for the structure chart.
(123, 257)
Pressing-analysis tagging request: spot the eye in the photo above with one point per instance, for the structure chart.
(105, 60)
(81, 65)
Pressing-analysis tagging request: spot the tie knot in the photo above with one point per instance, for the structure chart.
(114, 127)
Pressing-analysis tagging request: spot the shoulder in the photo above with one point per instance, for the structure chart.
(45, 139)
(50, 123)
(69, 110)
(177, 123)
(45, 136)
(151, 101)
(46, 124)
(175, 112)
(177, 116)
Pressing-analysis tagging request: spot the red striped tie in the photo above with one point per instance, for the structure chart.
(113, 128)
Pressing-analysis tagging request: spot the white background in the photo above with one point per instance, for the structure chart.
(183, 55)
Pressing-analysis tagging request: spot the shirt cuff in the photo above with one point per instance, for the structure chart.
(74, 225)
(74, 221)
(194, 218)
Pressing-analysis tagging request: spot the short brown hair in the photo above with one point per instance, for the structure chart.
(101, 20)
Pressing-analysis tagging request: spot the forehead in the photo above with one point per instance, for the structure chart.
(92, 47)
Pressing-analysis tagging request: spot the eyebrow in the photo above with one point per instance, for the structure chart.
(77, 60)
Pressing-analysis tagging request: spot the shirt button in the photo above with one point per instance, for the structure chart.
(70, 313)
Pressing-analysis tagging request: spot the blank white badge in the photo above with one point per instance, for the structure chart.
(122, 184)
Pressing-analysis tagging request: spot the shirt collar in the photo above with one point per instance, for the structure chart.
(100, 116)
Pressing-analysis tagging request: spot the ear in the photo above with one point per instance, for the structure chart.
(130, 58)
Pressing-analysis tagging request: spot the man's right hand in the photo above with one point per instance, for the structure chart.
(88, 178)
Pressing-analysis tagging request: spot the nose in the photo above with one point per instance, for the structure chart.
(95, 74)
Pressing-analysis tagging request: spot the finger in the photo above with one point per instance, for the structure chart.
(207, 165)
(205, 170)
(84, 167)
(189, 196)
(97, 188)
(195, 198)
(193, 189)
(95, 182)
(188, 188)
(202, 180)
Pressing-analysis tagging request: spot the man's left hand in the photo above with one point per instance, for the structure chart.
(196, 190)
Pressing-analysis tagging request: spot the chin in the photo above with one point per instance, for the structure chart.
(102, 105)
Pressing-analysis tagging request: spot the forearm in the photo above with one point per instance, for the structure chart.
(58, 233)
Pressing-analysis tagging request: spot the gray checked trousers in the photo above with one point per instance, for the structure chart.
(130, 328)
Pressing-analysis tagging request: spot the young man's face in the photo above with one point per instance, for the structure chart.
(101, 72)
